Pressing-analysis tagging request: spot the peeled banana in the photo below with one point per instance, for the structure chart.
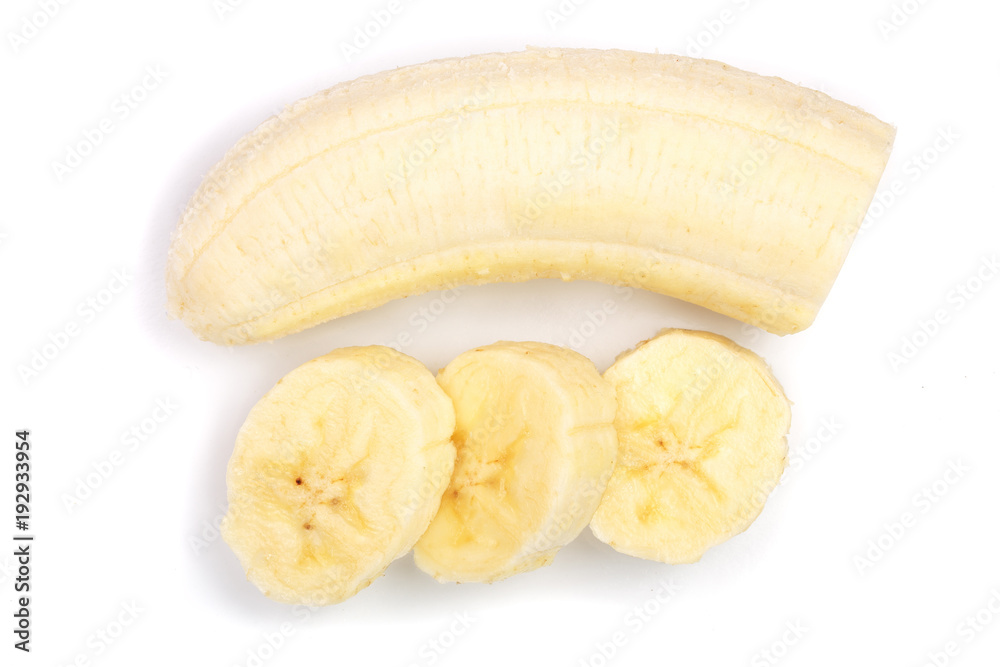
(701, 424)
(536, 445)
(336, 472)
(738, 192)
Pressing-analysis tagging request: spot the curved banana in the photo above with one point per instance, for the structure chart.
(701, 424)
(336, 472)
(536, 445)
(738, 192)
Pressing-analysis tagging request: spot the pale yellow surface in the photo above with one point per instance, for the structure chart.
(702, 425)
(336, 472)
(738, 192)
(536, 446)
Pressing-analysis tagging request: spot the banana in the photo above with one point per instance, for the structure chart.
(738, 192)
(336, 472)
(536, 445)
(702, 425)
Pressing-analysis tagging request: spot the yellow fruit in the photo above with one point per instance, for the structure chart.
(336, 472)
(536, 446)
(737, 192)
(702, 426)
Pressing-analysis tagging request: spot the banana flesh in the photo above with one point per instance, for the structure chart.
(702, 427)
(336, 472)
(535, 444)
(738, 192)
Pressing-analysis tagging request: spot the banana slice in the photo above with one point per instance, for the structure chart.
(738, 192)
(336, 472)
(702, 425)
(536, 446)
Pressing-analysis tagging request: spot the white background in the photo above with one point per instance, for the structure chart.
(892, 429)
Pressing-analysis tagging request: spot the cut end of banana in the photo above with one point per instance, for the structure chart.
(535, 444)
(702, 427)
(336, 472)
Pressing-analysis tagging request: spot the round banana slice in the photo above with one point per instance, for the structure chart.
(536, 445)
(336, 472)
(702, 426)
